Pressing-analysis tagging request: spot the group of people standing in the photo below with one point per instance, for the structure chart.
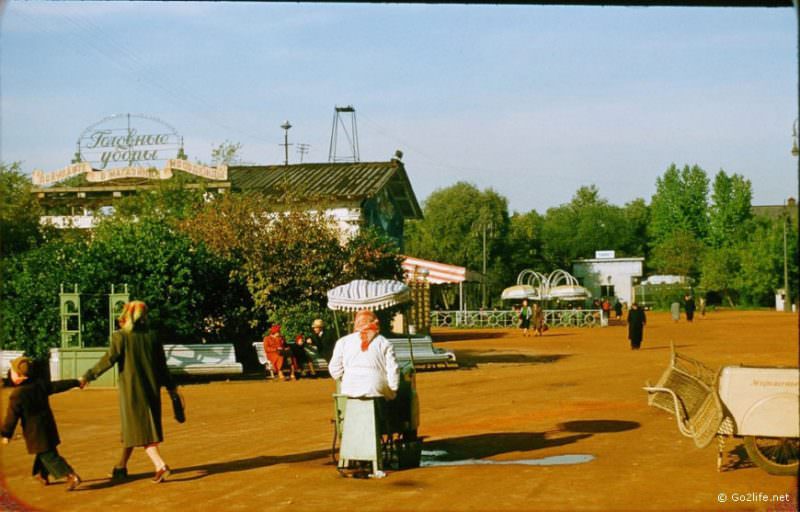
(531, 319)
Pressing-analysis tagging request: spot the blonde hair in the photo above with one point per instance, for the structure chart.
(134, 314)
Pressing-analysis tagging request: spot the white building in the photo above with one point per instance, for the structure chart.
(608, 276)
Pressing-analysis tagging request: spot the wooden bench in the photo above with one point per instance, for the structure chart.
(319, 363)
(206, 359)
(425, 354)
(688, 389)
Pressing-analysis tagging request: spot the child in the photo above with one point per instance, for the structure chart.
(28, 402)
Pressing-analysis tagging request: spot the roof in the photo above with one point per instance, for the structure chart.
(776, 211)
(349, 182)
(439, 273)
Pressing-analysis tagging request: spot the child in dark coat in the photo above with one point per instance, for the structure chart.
(28, 402)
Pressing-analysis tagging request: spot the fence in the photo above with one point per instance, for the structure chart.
(552, 317)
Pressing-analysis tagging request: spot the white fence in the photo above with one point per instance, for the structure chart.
(552, 317)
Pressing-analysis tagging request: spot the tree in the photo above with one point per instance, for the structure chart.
(762, 259)
(680, 253)
(19, 212)
(679, 204)
(637, 217)
(227, 153)
(525, 242)
(584, 225)
(730, 210)
(452, 231)
(720, 268)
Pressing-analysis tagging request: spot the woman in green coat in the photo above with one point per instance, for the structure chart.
(142, 371)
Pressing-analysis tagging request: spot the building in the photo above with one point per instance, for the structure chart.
(355, 194)
(608, 276)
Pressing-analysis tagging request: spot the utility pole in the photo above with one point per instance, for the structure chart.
(484, 227)
(302, 149)
(286, 125)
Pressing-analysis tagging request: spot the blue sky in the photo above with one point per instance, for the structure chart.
(532, 101)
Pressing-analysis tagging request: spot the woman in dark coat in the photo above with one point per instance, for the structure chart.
(636, 321)
(142, 371)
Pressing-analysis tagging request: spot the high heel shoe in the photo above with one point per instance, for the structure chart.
(161, 475)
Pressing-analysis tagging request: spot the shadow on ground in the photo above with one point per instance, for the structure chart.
(184, 474)
(459, 335)
(481, 446)
(468, 359)
(598, 426)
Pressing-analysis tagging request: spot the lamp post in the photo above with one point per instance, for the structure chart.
(787, 219)
(286, 125)
(484, 226)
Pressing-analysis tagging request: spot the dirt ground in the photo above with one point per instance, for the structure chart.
(251, 444)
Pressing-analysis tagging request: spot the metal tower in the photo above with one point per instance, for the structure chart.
(351, 135)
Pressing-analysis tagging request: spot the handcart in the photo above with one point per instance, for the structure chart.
(385, 432)
(757, 403)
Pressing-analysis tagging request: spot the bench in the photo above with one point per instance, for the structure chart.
(688, 389)
(206, 359)
(425, 354)
(319, 363)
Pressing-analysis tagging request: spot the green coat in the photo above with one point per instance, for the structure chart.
(142, 371)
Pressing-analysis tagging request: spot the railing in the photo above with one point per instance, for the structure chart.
(552, 317)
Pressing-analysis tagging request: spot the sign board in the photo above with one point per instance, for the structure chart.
(128, 139)
(604, 255)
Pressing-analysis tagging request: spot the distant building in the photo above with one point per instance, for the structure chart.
(777, 211)
(609, 276)
(356, 194)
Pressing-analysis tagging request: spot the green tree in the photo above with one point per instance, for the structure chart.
(680, 204)
(719, 269)
(762, 260)
(452, 231)
(525, 242)
(680, 253)
(584, 225)
(226, 153)
(637, 218)
(19, 212)
(730, 210)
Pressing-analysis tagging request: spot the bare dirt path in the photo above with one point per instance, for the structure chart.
(258, 445)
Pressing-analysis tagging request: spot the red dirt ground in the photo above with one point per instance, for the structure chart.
(256, 445)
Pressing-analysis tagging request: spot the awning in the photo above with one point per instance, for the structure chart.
(373, 295)
(439, 273)
(519, 292)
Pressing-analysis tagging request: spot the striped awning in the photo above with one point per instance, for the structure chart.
(438, 273)
(373, 295)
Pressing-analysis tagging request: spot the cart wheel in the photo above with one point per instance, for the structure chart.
(775, 455)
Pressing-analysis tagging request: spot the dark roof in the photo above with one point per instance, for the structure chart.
(776, 211)
(345, 182)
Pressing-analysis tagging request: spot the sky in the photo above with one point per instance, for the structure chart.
(530, 101)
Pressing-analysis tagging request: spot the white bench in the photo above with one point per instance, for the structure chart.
(320, 364)
(206, 359)
(425, 354)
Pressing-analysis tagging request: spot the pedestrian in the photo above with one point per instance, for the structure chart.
(688, 302)
(675, 311)
(525, 315)
(538, 320)
(702, 306)
(617, 310)
(142, 367)
(365, 361)
(29, 404)
(636, 321)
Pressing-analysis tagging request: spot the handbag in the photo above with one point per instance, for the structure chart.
(178, 405)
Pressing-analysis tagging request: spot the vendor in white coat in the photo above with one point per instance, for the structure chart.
(365, 361)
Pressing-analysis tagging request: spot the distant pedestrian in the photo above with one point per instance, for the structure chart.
(675, 310)
(525, 315)
(636, 321)
(538, 320)
(618, 309)
(28, 403)
(702, 306)
(688, 302)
